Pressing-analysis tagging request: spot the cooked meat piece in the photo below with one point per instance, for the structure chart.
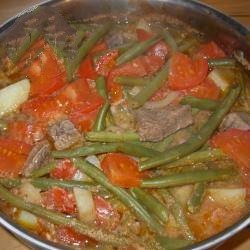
(239, 120)
(39, 156)
(153, 124)
(64, 134)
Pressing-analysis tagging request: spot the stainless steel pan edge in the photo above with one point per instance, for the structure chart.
(32, 240)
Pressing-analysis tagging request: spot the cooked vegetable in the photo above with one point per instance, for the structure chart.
(188, 177)
(126, 198)
(198, 103)
(226, 62)
(136, 50)
(196, 141)
(27, 220)
(131, 81)
(12, 96)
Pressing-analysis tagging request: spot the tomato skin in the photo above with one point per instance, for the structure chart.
(210, 51)
(186, 73)
(121, 170)
(207, 90)
(60, 200)
(71, 237)
(106, 62)
(236, 144)
(143, 35)
(13, 155)
(64, 170)
(107, 216)
(25, 131)
(45, 74)
(86, 69)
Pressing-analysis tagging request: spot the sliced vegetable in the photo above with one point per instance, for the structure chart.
(27, 220)
(203, 104)
(12, 96)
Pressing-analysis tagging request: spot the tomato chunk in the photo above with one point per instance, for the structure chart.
(121, 170)
(60, 200)
(46, 74)
(64, 170)
(86, 69)
(210, 51)
(207, 89)
(236, 144)
(143, 35)
(71, 237)
(107, 216)
(186, 73)
(25, 131)
(13, 155)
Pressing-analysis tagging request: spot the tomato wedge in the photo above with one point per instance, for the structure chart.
(121, 170)
(13, 155)
(46, 74)
(86, 69)
(25, 131)
(236, 144)
(207, 89)
(60, 200)
(64, 170)
(107, 216)
(186, 73)
(210, 51)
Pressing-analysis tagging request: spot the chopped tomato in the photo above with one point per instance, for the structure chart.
(236, 144)
(99, 48)
(106, 62)
(64, 170)
(210, 51)
(186, 73)
(60, 200)
(45, 74)
(207, 89)
(84, 121)
(143, 35)
(45, 109)
(107, 216)
(25, 132)
(13, 155)
(70, 237)
(121, 170)
(86, 69)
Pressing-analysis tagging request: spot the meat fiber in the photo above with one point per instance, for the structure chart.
(153, 124)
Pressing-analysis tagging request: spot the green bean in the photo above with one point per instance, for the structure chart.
(43, 170)
(131, 81)
(170, 40)
(197, 157)
(136, 149)
(96, 148)
(152, 204)
(203, 104)
(178, 213)
(226, 62)
(172, 243)
(3, 126)
(10, 183)
(187, 44)
(61, 219)
(86, 46)
(188, 177)
(80, 34)
(105, 136)
(98, 176)
(100, 122)
(196, 140)
(136, 50)
(194, 203)
(30, 38)
(151, 87)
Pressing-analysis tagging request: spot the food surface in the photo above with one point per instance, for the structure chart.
(121, 133)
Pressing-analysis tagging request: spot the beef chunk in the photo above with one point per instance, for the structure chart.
(64, 134)
(39, 156)
(153, 124)
(239, 120)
